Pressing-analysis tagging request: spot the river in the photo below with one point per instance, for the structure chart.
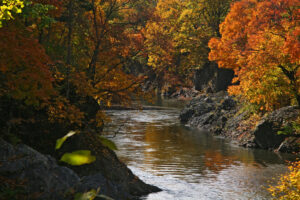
(189, 164)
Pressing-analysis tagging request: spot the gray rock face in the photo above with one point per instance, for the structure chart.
(44, 179)
(218, 113)
(41, 175)
(209, 112)
(266, 131)
(181, 93)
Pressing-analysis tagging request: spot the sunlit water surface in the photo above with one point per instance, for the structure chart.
(188, 164)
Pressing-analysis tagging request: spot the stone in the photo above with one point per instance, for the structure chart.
(290, 145)
(210, 78)
(266, 132)
(209, 112)
(45, 179)
(186, 115)
(218, 113)
(113, 177)
(41, 175)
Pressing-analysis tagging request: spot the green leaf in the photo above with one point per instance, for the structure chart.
(60, 141)
(108, 143)
(90, 195)
(104, 197)
(80, 157)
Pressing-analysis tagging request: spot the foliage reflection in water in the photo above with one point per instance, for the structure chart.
(188, 164)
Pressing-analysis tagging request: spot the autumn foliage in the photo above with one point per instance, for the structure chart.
(176, 37)
(66, 61)
(69, 60)
(260, 41)
(288, 187)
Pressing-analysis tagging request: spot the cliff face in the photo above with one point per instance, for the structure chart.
(210, 78)
(218, 113)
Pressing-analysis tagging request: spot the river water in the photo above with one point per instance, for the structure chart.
(188, 164)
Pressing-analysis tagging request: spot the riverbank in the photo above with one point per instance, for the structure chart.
(220, 114)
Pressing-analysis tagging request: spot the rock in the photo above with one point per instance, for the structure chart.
(290, 145)
(210, 78)
(223, 79)
(209, 112)
(45, 179)
(218, 113)
(228, 103)
(42, 177)
(182, 93)
(108, 173)
(266, 132)
(204, 75)
(238, 128)
(106, 186)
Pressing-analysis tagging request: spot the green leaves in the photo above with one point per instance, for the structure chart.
(40, 12)
(90, 195)
(108, 143)
(60, 141)
(80, 157)
(290, 129)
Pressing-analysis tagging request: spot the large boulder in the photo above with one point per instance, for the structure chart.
(108, 173)
(41, 176)
(266, 132)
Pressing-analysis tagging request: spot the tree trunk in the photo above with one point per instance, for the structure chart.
(291, 75)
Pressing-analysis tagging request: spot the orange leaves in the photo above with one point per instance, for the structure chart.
(292, 45)
(260, 41)
(62, 111)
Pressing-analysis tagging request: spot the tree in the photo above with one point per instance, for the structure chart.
(68, 59)
(260, 41)
(177, 37)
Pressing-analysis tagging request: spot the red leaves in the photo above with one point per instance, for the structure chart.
(24, 66)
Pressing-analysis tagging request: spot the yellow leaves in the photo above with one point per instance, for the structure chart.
(8, 7)
(80, 157)
(185, 14)
(174, 44)
(288, 188)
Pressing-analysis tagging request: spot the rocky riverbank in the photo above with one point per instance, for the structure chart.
(27, 174)
(220, 114)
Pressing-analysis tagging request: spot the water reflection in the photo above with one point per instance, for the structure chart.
(188, 164)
